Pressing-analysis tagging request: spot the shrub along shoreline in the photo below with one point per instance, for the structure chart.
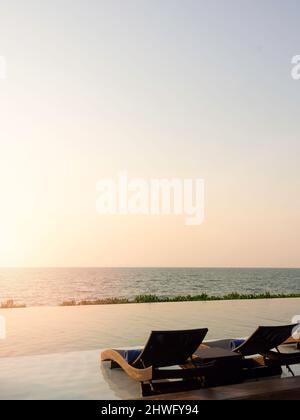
(10, 304)
(188, 298)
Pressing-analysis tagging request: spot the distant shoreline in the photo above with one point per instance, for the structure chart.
(187, 298)
(11, 304)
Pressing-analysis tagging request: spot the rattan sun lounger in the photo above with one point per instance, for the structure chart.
(168, 355)
(267, 339)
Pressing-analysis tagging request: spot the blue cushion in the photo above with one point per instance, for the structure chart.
(234, 344)
(131, 355)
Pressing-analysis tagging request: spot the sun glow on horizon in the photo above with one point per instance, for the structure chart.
(97, 91)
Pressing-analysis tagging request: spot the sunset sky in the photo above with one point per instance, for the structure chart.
(158, 88)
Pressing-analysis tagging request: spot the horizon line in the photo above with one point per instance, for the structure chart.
(154, 267)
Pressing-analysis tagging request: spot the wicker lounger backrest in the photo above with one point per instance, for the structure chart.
(265, 339)
(170, 348)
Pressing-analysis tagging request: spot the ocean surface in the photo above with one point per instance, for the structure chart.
(51, 286)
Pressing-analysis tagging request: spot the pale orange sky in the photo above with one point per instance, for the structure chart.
(92, 91)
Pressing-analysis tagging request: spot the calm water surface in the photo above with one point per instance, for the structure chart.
(40, 287)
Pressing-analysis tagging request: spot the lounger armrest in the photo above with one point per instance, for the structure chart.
(140, 375)
(283, 358)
